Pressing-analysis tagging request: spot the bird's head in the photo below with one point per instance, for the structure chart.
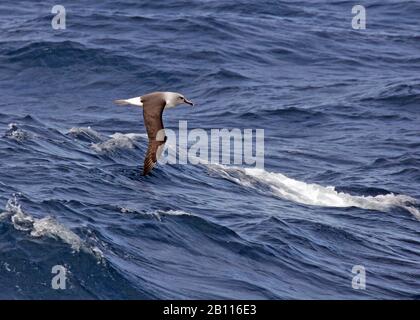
(174, 98)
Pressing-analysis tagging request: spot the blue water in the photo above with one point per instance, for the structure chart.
(340, 109)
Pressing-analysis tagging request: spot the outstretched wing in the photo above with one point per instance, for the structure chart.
(153, 152)
(153, 106)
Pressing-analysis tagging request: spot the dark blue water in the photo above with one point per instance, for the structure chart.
(340, 109)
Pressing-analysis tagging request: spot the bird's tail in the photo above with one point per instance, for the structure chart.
(136, 101)
(121, 102)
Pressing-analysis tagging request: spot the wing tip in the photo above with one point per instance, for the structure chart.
(148, 166)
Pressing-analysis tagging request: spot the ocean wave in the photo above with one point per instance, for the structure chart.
(223, 74)
(295, 113)
(401, 92)
(244, 73)
(64, 54)
(45, 227)
(17, 134)
(314, 194)
(85, 133)
(117, 141)
(158, 214)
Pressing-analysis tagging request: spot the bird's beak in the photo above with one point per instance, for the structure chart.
(189, 102)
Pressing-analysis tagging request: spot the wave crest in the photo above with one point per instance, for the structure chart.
(45, 227)
(117, 141)
(15, 133)
(312, 193)
(85, 133)
(158, 214)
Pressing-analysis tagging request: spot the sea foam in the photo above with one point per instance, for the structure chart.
(312, 193)
(85, 132)
(45, 227)
(117, 141)
(15, 133)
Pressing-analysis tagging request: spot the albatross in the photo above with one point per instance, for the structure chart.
(153, 105)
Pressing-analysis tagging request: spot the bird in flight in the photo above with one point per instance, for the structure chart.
(153, 105)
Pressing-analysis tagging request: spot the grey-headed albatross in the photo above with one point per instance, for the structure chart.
(153, 105)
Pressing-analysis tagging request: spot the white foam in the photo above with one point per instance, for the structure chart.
(134, 136)
(49, 227)
(174, 213)
(87, 131)
(117, 141)
(156, 213)
(314, 194)
(7, 267)
(15, 133)
(159, 213)
(126, 210)
(45, 227)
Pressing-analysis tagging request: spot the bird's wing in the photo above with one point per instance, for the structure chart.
(153, 107)
(153, 152)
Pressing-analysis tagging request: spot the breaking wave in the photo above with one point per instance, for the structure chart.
(85, 133)
(158, 214)
(15, 133)
(312, 193)
(45, 227)
(116, 142)
(230, 246)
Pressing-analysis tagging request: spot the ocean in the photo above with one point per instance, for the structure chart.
(338, 198)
